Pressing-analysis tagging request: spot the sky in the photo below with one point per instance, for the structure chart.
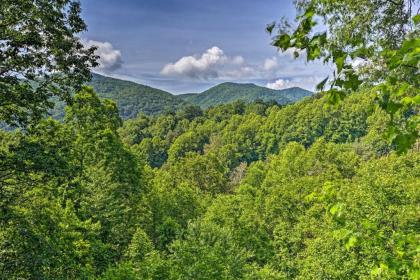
(184, 46)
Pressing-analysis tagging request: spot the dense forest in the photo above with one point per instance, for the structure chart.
(325, 188)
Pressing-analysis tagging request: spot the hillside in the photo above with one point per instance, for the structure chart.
(229, 92)
(132, 98)
(236, 178)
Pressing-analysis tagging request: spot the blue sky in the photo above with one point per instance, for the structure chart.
(190, 45)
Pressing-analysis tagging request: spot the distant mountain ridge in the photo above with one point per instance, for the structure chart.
(229, 92)
(133, 98)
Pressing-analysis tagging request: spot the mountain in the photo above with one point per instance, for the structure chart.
(132, 98)
(229, 92)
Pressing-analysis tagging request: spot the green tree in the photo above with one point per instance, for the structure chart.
(207, 252)
(381, 33)
(40, 57)
(112, 180)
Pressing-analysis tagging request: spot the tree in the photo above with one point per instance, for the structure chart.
(139, 247)
(207, 252)
(40, 57)
(190, 112)
(112, 180)
(379, 34)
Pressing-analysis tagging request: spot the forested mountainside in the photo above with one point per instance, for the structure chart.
(132, 98)
(264, 128)
(229, 92)
(237, 191)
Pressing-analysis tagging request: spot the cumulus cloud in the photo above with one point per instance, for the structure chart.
(109, 57)
(281, 84)
(241, 72)
(308, 82)
(208, 65)
(215, 64)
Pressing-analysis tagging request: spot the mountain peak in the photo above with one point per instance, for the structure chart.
(133, 98)
(235, 84)
(228, 92)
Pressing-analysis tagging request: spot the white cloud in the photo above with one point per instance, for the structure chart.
(210, 64)
(308, 83)
(215, 64)
(242, 72)
(109, 57)
(270, 64)
(280, 84)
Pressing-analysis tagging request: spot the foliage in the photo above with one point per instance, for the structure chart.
(369, 42)
(242, 190)
(305, 190)
(40, 57)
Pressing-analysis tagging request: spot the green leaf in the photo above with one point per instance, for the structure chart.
(334, 209)
(321, 85)
(282, 41)
(310, 12)
(335, 96)
(391, 133)
(416, 99)
(352, 81)
(270, 27)
(416, 19)
(382, 269)
(404, 142)
(407, 101)
(337, 210)
(339, 58)
(392, 107)
(339, 62)
(351, 243)
(360, 52)
(313, 52)
(402, 90)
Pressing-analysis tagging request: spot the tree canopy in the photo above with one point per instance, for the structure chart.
(235, 191)
(40, 57)
(370, 43)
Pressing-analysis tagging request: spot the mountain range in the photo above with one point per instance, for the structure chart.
(133, 98)
(229, 92)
